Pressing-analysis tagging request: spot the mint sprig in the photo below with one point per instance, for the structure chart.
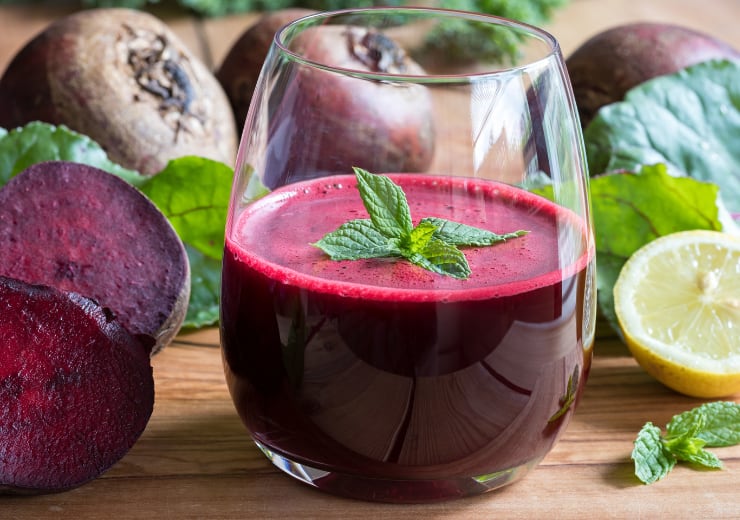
(389, 232)
(687, 435)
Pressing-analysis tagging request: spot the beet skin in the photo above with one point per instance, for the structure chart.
(607, 65)
(83, 230)
(123, 78)
(328, 122)
(241, 66)
(76, 390)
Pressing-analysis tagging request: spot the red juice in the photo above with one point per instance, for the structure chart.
(391, 382)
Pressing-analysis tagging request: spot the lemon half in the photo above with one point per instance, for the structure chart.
(677, 300)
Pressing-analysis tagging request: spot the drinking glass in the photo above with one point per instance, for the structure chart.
(399, 375)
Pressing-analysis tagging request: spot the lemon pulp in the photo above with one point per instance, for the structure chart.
(677, 301)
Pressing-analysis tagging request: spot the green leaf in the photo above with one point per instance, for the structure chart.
(463, 235)
(39, 142)
(419, 238)
(385, 202)
(720, 423)
(442, 258)
(632, 209)
(703, 458)
(687, 434)
(205, 289)
(355, 240)
(389, 232)
(652, 460)
(689, 120)
(193, 193)
(685, 444)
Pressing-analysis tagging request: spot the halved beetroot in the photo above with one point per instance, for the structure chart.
(76, 389)
(80, 229)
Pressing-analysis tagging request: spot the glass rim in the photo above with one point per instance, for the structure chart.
(530, 30)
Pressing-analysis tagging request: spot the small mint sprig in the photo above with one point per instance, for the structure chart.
(709, 425)
(389, 232)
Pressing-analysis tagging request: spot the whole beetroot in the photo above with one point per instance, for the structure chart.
(123, 78)
(242, 64)
(337, 121)
(610, 63)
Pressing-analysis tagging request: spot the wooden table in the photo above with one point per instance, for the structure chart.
(195, 459)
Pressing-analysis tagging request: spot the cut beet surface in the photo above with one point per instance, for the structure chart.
(80, 229)
(76, 389)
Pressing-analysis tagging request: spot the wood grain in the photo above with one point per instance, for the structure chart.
(195, 459)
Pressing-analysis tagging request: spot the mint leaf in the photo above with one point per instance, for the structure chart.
(652, 460)
(463, 235)
(688, 447)
(389, 232)
(385, 202)
(355, 240)
(686, 444)
(720, 423)
(39, 142)
(703, 458)
(419, 238)
(687, 434)
(689, 121)
(442, 258)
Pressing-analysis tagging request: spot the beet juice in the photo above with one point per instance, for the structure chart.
(379, 379)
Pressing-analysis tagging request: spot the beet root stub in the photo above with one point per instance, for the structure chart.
(76, 389)
(83, 230)
(123, 78)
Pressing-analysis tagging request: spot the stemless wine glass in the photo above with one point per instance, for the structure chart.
(443, 353)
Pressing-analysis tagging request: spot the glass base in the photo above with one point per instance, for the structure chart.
(395, 490)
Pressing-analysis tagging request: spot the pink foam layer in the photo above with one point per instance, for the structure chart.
(274, 236)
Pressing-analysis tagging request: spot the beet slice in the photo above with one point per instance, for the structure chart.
(81, 229)
(76, 389)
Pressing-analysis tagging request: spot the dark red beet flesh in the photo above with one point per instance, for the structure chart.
(76, 390)
(80, 229)
(607, 65)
